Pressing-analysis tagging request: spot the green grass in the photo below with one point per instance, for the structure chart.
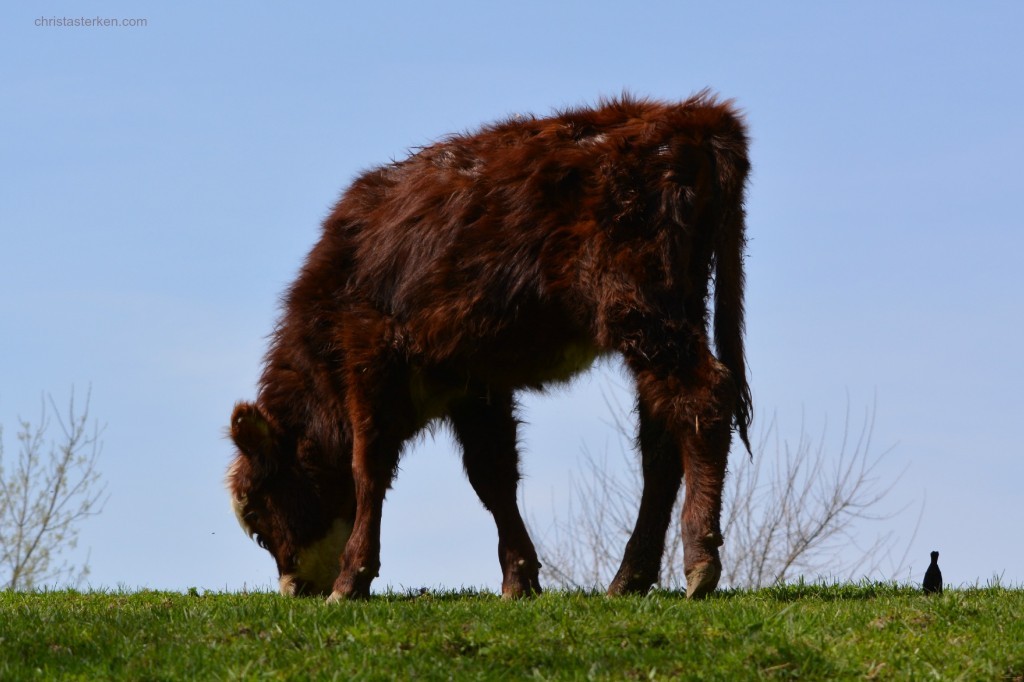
(808, 632)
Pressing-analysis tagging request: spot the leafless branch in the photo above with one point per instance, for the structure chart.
(45, 497)
(794, 512)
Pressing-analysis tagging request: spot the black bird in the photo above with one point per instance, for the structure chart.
(933, 576)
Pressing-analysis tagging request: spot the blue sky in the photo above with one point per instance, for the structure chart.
(159, 187)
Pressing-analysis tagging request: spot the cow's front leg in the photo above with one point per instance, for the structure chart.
(381, 417)
(484, 422)
(360, 561)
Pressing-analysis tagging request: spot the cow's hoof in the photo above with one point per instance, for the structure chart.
(521, 581)
(629, 582)
(353, 585)
(702, 579)
(339, 596)
(632, 579)
(520, 590)
(349, 590)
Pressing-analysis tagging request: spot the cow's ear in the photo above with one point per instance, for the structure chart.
(252, 433)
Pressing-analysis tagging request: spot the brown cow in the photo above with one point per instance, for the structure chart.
(488, 263)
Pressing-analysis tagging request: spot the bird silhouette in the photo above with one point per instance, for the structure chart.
(933, 576)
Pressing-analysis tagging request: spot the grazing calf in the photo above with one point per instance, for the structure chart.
(493, 262)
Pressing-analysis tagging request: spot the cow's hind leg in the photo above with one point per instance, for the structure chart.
(705, 444)
(484, 422)
(662, 476)
(695, 402)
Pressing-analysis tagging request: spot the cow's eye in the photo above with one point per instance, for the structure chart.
(259, 540)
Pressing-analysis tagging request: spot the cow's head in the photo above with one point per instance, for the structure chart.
(288, 506)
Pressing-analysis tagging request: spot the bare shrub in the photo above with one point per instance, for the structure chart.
(789, 511)
(53, 486)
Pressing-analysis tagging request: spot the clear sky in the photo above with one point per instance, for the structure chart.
(160, 185)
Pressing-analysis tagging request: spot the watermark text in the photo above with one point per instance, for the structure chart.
(89, 22)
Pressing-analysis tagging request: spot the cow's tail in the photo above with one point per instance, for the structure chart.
(732, 166)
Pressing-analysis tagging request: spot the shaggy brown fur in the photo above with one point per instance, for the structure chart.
(491, 262)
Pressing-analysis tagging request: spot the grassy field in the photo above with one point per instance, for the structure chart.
(807, 632)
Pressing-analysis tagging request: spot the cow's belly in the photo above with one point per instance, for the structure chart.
(574, 359)
(432, 390)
